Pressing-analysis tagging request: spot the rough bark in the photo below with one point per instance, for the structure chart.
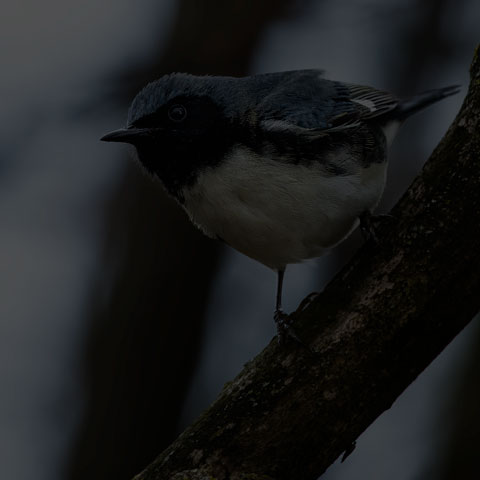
(290, 413)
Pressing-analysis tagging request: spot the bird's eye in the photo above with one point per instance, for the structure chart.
(177, 113)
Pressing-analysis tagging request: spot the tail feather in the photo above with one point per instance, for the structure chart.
(418, 102)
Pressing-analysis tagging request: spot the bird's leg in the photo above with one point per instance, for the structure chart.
(278, 304)
(369, 224)
(280, 316)
(282, 320)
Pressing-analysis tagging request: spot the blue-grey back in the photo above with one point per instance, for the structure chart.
(301, 97)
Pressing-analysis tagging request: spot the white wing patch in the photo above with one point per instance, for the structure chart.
(377, 101)
(366, 103)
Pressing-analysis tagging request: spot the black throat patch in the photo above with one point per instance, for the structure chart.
(179, 151)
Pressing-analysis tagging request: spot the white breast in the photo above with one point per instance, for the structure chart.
(279, 213)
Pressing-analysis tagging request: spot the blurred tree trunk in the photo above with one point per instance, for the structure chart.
(156, 271)
(456, 449)
(427, 47)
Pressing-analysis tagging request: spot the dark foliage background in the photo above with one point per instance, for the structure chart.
(119, 322)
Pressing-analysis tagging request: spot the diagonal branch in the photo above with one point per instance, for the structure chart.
(289, 414)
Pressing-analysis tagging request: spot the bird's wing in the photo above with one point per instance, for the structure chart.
(372, 103)
(304, 102)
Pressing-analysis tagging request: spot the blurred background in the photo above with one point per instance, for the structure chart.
(119, 322)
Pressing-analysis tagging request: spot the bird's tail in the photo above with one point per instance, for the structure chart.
(418, 102)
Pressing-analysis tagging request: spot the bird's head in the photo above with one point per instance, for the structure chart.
(181, 124)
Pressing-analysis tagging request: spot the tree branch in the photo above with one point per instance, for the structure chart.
(289, 414)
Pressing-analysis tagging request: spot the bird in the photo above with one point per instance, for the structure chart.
(280, 166)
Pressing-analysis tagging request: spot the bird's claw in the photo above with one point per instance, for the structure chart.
(369, 225)
(285, 329)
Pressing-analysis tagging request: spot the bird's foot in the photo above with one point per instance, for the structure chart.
(284, 327)
(369, 224)
(286, 331)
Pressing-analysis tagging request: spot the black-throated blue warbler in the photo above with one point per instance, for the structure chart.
(281, 166)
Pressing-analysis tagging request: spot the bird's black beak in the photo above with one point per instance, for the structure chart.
(127, 135)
